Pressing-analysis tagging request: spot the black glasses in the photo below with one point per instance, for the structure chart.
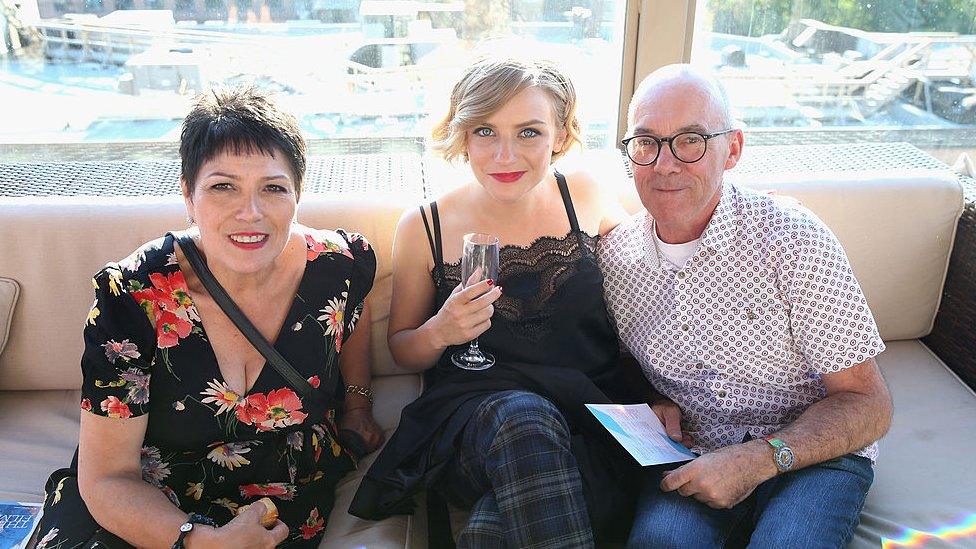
(688, 147)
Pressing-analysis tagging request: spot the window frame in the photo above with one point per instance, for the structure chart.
(653, 38)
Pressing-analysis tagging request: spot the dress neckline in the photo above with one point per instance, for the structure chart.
(282, 330)
(508, 249)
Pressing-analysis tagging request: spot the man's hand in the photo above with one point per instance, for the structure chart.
(670, 416)
(723, 478)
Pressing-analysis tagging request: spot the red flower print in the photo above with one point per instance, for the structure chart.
(168, 306)
(86, 405)
(314, 382)
(171, 290)
(324, 245)
(247, 413)
(313, 524)
(170, 328)
(115, 408)
(280, 408)
(147, 300)
(314, 248)
(281, 490)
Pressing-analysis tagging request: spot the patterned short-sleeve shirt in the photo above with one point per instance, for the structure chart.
(740, 336)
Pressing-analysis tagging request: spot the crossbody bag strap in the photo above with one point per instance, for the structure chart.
(237, 316)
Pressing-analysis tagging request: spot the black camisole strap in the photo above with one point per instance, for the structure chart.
(567, 202)
(430, 237)
(434, 239)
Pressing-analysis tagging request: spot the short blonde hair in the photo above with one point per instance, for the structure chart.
(489, 83)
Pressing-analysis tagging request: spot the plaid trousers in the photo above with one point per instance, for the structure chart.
(514, 470)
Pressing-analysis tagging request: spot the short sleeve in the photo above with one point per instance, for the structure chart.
(361, 279)
(830, 319)
(119, 346)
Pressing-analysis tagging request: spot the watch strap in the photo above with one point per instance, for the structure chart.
(782, 454)
(187, 527)
(775, 442)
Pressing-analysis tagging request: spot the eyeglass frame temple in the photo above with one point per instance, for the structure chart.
(669, 141)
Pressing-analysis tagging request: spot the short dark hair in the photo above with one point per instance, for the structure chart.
(242, 120)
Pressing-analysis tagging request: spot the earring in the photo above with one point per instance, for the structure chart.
(189, 220)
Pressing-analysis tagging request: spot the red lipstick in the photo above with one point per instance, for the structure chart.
(507, 177)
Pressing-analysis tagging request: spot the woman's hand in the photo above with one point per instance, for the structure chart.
(243, 532)
(360, 421)
(466, 314)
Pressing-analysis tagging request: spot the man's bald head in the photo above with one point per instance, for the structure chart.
(681, 196)
(687, 77)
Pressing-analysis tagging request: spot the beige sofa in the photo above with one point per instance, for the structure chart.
(897, 229)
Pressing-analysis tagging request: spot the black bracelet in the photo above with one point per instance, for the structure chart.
(187, 527)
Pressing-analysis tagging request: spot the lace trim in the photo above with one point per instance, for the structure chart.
(530, 276)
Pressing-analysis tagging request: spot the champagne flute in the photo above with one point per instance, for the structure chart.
(479, 262)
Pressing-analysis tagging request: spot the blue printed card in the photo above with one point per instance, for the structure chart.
(17, 522)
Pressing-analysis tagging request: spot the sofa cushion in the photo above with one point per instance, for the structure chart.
(344, 530)
(9, 290)
(57, 244)
(39, 433)
(921, 480)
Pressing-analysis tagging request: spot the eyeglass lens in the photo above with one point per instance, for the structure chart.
(686, 147)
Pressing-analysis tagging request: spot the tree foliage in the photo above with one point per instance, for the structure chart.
(759, 17)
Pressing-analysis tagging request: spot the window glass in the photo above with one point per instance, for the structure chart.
(125, 70)
(799, 71)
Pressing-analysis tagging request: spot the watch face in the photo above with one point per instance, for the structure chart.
(186, 527)
(784, 458)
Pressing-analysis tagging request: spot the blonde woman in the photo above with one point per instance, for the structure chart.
(512, 443)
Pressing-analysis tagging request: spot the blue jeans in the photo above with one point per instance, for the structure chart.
(817, 506)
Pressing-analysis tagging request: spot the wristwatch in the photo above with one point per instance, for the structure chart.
(187, 527)
(782, 454)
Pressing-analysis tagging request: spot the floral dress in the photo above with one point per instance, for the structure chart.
(208, 448)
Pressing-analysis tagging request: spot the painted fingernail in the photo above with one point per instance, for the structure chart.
(490, 281)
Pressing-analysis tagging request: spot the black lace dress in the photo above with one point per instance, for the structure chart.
(550, 335)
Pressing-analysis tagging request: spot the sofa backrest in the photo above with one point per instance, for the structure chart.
(52, 247)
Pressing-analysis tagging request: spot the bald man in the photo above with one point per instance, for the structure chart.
(744, 314)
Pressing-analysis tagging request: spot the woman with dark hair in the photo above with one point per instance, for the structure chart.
(184, 420)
